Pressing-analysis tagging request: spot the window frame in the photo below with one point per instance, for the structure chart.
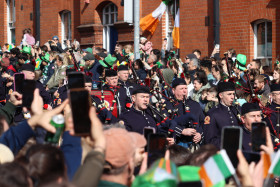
(11, 23)
(256, 23)
(112, 9)
(69, 27)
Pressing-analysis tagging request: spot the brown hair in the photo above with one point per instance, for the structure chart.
(260, 78)
(26, 31)
(178, 154)
(201, 155)
(46, 163)
(13, 174)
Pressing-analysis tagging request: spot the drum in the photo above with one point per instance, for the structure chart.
(109, 100)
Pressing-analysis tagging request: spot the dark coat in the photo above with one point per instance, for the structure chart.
(217, 118)
(135, 120)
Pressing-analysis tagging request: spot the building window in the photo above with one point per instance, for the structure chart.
(110, 35)
(263, 40)
(66, 33)
(11, 20)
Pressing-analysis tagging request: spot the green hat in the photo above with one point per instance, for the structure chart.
(46, 58)
(241, 62)
(26, 49)
(89, 50)
(108, 61)
(88, 56)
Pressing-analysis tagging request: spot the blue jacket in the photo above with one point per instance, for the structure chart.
(96, 70)
(72, 150)
(16, 137)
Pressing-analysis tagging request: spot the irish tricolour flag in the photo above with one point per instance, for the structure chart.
(275, 165)
(216, 169)
(176, 33)
(150, 22)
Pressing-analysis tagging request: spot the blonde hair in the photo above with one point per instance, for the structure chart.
(129, 47)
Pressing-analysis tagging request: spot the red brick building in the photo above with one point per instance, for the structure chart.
(249, 26)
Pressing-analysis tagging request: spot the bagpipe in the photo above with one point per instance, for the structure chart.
(76, 66)
(107, 98)
(254, 98)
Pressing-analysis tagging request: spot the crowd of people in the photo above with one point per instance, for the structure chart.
(188, 100)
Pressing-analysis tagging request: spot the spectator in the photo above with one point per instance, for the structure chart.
(45, 164)
(255, 64)
(59, 73)
(139, 67)
(14, 175)
(276, 75)
(55, 45)
(217, 72)
(197, 53)
(120, 149)
(27, 38)
(146, 46)
(192, 64)
(211, 98)
(199, 86)
(206, 67)
(261, 86)
(178, 154)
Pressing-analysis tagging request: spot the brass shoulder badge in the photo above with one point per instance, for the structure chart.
(207, 120)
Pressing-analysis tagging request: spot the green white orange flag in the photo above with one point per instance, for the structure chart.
(150, 22)
(275, 165)
(267, 159)
(175, 33)
(163, 173)
(216, 169)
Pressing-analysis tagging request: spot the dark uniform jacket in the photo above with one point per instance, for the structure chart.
(246, 139)
(191, 107)
(120, 94)
(104, 115)
(135, 120)
(217, 118)
(271, 120)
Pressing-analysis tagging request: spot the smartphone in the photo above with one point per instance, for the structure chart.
(217, 46)
(18, 82)
(191, 184)
(80, 105)
(231, 142)
(28, 92)
(157, 144)
(147, 131)
(76, 80)
(252, 156)
(258, 135)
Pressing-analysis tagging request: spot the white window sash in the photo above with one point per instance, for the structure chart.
(112, 10)
(256, 40)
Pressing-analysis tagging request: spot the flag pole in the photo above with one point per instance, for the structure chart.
(136, 29)
(269, 181)
(237, 181)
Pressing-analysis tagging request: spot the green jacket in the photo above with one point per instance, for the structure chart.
(90, 172)
(108, 184)
(8, 111)
(59, 74)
